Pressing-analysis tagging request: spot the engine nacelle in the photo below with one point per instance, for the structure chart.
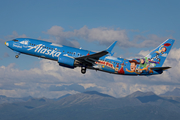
(66, 61)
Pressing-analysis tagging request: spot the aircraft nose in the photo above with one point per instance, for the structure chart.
(6, 43)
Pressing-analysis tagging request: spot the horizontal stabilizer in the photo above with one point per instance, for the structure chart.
(159, 68)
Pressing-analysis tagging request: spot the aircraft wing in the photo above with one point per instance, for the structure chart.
(90, 59)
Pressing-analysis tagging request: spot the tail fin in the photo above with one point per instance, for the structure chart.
(159, 54)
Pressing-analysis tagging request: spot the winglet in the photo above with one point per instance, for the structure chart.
(109, 49)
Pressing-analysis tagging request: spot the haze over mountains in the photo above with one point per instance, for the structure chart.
(93, 105)
(175, 92)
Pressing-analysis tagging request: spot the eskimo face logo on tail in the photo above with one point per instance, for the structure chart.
(39, 49)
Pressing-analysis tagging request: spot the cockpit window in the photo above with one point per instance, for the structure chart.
(15, 40)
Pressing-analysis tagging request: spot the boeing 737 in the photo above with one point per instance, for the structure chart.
(103, 61)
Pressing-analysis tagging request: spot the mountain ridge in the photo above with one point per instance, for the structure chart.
(175, 92)
(94, 105)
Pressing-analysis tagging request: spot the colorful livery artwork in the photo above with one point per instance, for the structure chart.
(103, 61)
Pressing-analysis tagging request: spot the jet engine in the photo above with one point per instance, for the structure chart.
(66, 61)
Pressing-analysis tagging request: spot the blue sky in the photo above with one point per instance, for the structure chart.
(90, 25)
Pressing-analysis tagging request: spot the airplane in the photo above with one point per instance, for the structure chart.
(102, 61)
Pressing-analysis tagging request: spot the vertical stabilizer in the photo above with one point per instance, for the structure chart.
(159, 54)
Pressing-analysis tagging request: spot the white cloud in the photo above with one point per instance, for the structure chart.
(20, 84)
(88, 85)
(36, 81)
(175, 54)
(15, 35)
(144, 53)
(173, 60)
(149, 41)
(105, 36)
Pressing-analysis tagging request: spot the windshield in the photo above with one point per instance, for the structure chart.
(15, 40)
